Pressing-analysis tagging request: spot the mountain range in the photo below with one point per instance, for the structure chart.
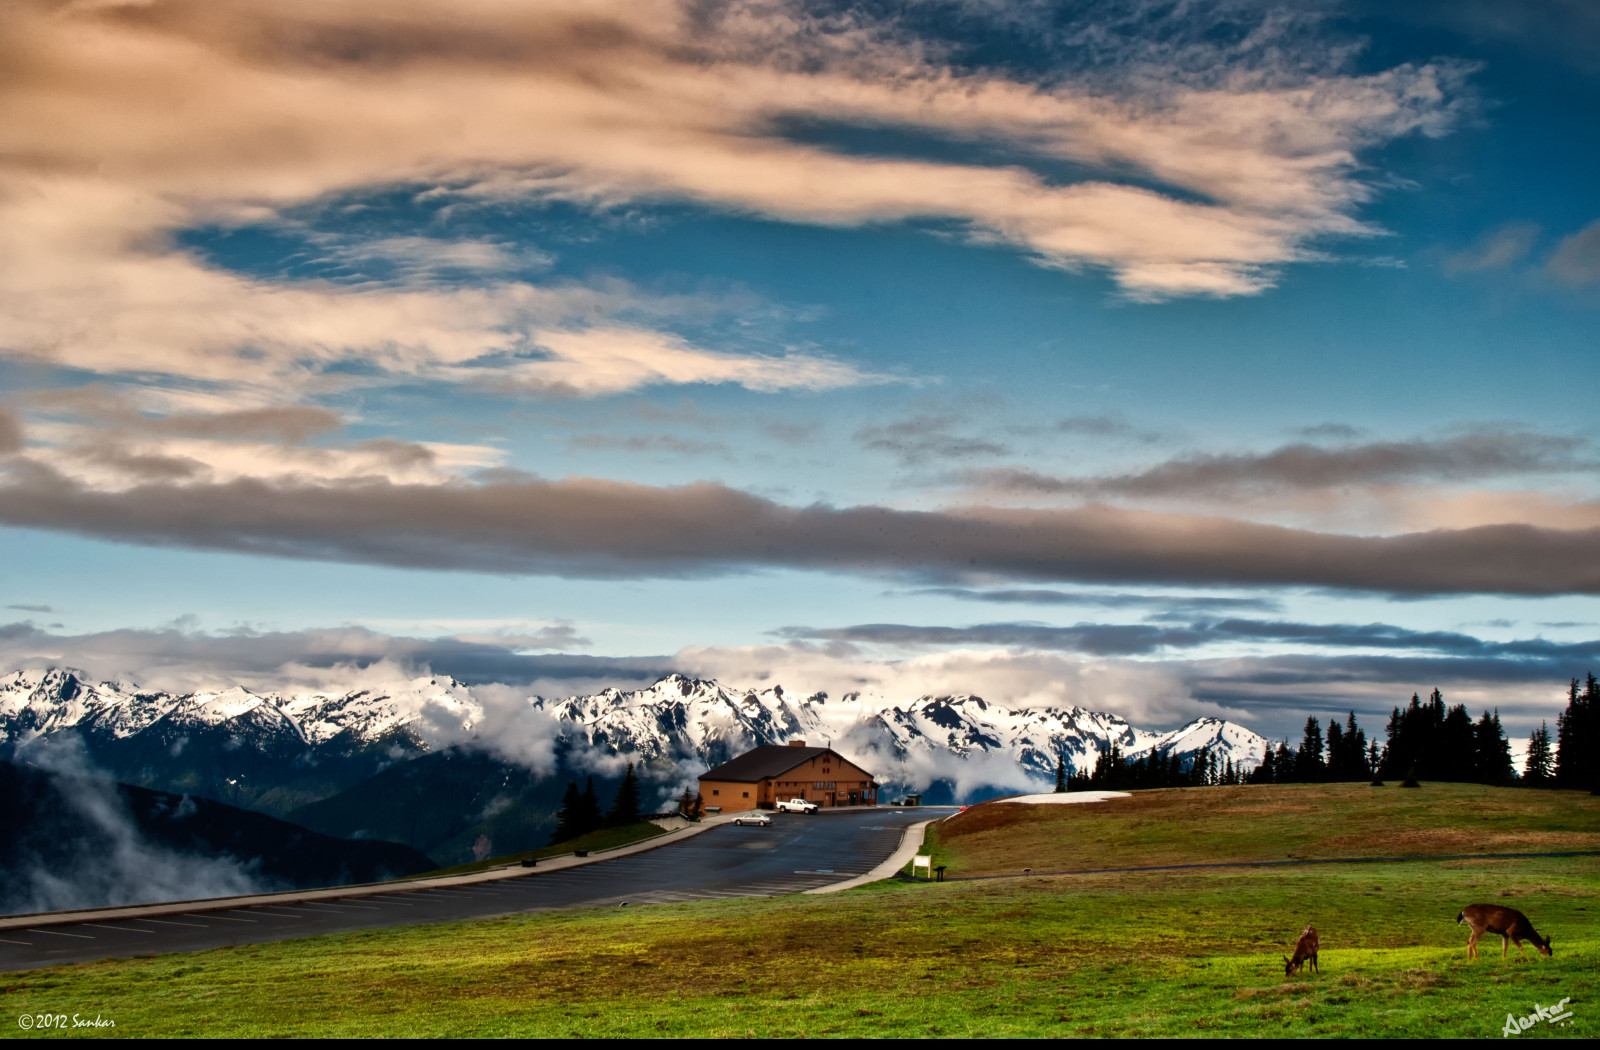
(473, 764)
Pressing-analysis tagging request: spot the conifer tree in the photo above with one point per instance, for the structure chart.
(1540, 764)
(1284, 764)
(1578, 739)
(1337, 760)
(1455, 757)
(1492, 752)
(625, 807)
(1308, 761)
(1266, 772)
(566, 819)
(588, 809)
(1061, 774)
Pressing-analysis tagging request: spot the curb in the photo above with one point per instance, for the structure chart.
(910, 843)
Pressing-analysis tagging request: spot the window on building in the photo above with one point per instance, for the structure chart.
(747, 794)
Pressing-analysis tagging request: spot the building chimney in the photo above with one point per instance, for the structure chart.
(797, 743)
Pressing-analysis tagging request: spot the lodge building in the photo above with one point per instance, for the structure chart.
(760, 777)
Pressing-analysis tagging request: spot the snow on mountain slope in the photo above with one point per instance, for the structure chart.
(427, 704)
(33, 703)
(679, 721)
(1224, 739)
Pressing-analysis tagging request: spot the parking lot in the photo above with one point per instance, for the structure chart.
(796, 853)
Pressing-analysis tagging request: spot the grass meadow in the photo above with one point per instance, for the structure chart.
(1175, 953)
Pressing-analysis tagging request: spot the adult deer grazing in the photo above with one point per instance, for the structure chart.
(1305, 948)
(1509, 923)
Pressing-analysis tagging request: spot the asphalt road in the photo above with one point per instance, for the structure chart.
(797, 853)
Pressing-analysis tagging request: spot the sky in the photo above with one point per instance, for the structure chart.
(1169, 359)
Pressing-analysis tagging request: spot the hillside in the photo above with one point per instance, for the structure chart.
(1266, 823)
(73, 841)
(442, 803)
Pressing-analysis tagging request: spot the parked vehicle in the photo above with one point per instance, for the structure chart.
(760, 820)
(796, 805)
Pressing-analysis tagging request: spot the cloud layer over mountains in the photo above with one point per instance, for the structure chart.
(596, 528)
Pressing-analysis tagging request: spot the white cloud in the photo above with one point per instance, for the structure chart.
(129, 122)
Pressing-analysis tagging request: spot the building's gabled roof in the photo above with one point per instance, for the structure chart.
(768, 760)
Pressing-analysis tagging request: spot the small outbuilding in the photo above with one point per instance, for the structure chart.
(761, 776)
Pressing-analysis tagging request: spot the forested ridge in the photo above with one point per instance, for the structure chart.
(1424, 740)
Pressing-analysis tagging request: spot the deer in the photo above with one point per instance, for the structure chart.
(1304, 949)
(1509, 923)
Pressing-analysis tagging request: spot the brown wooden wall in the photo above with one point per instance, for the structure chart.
(799, 782)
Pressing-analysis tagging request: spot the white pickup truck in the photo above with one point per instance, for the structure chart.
(796, 805)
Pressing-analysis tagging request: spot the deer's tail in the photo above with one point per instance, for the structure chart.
(1461, 917)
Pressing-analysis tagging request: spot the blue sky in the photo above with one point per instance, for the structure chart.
(1139, 356)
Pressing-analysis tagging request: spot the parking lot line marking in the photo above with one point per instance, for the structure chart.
(171, 922)
(25, 944)
(124, 929)
(58, 933)
(225, 918)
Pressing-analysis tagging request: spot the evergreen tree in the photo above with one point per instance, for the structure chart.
(566, 819)
(1456, 757)
(1347, 751)
(1265, 773)
(625, 807)
(1492, 751)
(1284, 764)
(1578, 738)
(1356, 746)
(588, 809)
(1537, 770)
(1308, 761)
(1433, 742)
(1061, 773)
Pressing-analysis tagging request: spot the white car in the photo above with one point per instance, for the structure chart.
(760, 820)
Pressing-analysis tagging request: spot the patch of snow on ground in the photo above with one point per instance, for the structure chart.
(1058, 798)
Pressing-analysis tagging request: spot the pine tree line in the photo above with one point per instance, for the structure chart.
(1426, 740)
(1113, 772)
(580, 810)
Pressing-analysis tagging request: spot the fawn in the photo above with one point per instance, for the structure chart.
(1304, 949)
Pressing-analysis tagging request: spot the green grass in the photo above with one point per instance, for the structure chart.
(1153, 954)
(605, 838)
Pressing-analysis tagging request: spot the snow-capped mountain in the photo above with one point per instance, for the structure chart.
(678, 724)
